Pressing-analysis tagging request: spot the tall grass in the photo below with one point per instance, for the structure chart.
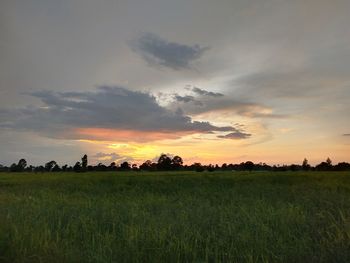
(175, 217)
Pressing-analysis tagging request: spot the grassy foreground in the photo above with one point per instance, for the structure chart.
(175, 217)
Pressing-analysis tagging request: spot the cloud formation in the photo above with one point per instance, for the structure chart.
(111, 157)
(160, 52)
(185, 99)
(237, 135)
(107, 114)
(203, 101)
(203, 92)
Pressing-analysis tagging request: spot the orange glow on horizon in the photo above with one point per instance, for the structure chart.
(102, 134)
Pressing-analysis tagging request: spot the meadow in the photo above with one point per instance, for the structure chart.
(175, 217)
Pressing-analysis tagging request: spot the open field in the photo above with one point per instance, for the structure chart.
(175, 217)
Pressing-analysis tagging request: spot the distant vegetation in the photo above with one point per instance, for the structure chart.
(166, 163)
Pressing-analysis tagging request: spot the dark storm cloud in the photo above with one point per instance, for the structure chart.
(237, 135)
(206, 93)
(109, 108)
(158, 51)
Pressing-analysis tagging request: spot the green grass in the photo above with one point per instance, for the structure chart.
(175, 217)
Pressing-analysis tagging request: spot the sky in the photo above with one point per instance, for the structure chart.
(220, 81)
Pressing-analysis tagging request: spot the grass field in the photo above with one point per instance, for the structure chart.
(175, 217)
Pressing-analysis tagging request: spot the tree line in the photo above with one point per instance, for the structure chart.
(167, 163)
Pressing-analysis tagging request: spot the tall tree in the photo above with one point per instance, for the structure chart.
(125, 166)
(249, 165)
(21, 165)
(112, 166)
(177, 162)
(147, 165)
(50, 165)
(305, 165)
(77, 167)
(56, 168)
(164, 162)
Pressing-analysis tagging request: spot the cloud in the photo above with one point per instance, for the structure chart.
(111, 157)
(157, 51)
(237, 135)
(109, 113)
(226, 105)
(104, 155)
(203, 101)
(206, 93)
(346, 134)
(185, 99)
(281, 84)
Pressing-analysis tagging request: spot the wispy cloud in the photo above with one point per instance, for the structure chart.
(203, 101)
(187, 99)
(237, 135)
(206, 93)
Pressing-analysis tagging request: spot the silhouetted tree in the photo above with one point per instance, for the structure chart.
(3, 168)
(210, 168)
(294, 167)
(177, 162)
(198, 167)
(146, 166)
(29, 168)
(77, 167)
(39, 169)
(305, 166)
(164, 162)
(324, 166)
(56, 168)
(101, 167)
(49, 166)
(249, 166)
(342, 167)
(125, 166)
(13, 168)
(224, 166)
(113, 166)
(134, 167)
(84, 163)
(21, 165)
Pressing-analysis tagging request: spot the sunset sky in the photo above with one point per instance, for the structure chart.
(211, 81)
